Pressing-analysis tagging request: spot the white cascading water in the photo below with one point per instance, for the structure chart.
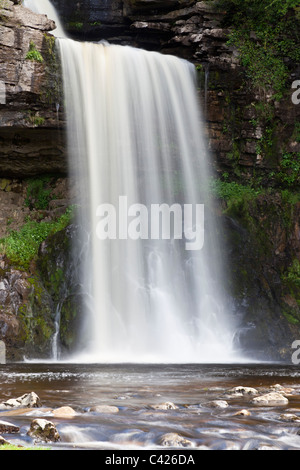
(136, 137)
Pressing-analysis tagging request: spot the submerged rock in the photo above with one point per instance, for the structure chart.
(217, 404)
(290, 417)
(104, 409)
(173, 439)
(270, 399)
(242, 413)
(165, 406)
(43, 430)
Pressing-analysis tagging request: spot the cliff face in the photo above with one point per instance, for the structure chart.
(261, 237)
(29, 108)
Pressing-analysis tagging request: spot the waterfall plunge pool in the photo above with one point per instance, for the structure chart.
(137, 391)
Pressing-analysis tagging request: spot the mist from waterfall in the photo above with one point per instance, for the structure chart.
(136, 141)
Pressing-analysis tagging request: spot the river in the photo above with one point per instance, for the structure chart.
(137, 390)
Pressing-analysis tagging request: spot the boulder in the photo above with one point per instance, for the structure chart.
(43, 430)
(28, 400)
(270, 399)
(241, 391)
(104, 409)
(8, 428)
(217, 404)
(64, 412)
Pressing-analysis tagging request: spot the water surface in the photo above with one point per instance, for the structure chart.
(134, 389)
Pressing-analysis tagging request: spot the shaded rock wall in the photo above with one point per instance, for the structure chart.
(31, 95)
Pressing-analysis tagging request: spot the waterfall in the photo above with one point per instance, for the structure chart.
(139, 158)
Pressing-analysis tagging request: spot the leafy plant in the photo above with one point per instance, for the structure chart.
(38, 193)
(33, 53)
(289, 174)
(21, 247)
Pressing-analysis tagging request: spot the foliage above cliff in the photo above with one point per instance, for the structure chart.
(266, 33)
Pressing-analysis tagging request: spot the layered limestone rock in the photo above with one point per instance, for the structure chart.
(30, 95)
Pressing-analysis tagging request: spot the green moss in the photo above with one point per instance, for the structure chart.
(52, 91)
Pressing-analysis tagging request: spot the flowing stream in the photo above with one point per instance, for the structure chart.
(137, 392)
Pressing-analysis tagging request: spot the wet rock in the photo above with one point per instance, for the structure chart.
(28, 400)
(290, 417)
(64, 412)
(173, 439)
(3, 441)
(270, 399)
(241, 391)
(165, 406)
(217, 404)
(43, 430)
(104, 409)
(8, 428)
(283, 390)
(242, 413)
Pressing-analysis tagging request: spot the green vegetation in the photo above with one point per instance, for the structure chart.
(78, 25)
(292, 276)
(21, 247)
(266, 33)
(35, 119)
(15, 447)
(38, 193)
(33, 53)
(231, 190)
